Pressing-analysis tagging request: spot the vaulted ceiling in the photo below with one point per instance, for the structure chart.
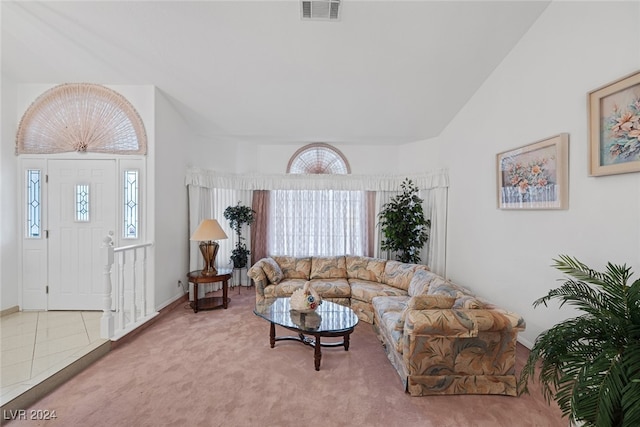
(387, 72)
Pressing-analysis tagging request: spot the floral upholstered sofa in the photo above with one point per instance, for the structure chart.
(440, 338)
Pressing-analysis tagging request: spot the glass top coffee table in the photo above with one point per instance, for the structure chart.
(328, 320)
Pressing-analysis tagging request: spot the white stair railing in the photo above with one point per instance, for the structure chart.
(125, 306)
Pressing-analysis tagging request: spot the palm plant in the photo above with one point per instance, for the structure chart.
(590, 364)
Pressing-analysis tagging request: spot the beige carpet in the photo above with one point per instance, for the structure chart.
(215, 368)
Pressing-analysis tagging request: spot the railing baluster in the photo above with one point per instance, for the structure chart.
(144, 282)
(138, 280)
(106, 322)
(121, 306)
(134, 274)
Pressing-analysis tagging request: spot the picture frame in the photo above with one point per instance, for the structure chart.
(535, 176)
(614, 127)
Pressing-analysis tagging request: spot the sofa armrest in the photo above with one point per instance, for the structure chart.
(440, 323)
(460, 323)
(447, 351)
(259, 277)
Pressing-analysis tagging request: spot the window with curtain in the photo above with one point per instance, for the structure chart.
(318, 222)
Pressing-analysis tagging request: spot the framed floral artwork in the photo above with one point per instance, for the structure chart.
(614, 127)
(535, 176)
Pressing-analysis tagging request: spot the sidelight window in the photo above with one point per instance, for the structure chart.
(131, 204)
(34, 203)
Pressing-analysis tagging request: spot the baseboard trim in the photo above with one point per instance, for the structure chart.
(525, 342)
(10, 310)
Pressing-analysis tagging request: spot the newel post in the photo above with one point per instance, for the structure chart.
(106, 322)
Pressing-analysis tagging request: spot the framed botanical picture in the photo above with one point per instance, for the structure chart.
(535, 176)
(614, 127)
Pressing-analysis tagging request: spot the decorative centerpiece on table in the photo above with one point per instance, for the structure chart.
(305, 300)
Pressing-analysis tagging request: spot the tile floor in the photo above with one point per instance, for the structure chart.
(37, 344)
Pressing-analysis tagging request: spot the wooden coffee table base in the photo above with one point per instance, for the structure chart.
(315, 342)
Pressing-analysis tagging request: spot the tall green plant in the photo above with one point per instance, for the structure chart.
(590, 364)
(403, 224)
(238, 216)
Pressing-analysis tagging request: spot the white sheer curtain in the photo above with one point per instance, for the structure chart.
(207, 203)
(433, 190)
(317, 223)
(435, 207)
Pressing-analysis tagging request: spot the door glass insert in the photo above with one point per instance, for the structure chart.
(34, 194)
(130, 216)
(82, 203)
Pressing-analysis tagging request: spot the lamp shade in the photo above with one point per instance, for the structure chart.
(208, 230)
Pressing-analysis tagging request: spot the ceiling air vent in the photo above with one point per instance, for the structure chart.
(321, 9)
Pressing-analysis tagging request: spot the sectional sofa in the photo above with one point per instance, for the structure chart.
(440, 338)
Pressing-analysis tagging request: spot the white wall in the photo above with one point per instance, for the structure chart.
(9, 295)
(270, 158)
(171, 207)
(538, 91)
(421, 156)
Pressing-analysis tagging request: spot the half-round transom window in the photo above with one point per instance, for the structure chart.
(318, 158)
(81, 117)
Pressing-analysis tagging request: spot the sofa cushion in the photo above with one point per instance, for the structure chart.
(331, 288)
(390, 310)
(363, 309)
(283, 289)
(365, 268)
(391, 320)
(365, 290)
(272, 270)
(294, 268)
(442, 287)
(399, 274)
(422, 280)
(331, 267)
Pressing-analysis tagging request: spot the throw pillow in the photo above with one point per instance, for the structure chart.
(425, 302)
(272, 270)
(467, 301)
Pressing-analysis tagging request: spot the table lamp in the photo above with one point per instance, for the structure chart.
(208, 231)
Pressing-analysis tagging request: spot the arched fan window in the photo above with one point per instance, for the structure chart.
(81, 117)
(318, 158)
(319, 222)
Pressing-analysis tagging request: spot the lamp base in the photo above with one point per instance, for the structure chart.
(212, 272)
(209, 251)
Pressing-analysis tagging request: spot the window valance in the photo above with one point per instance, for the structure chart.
(212, 179)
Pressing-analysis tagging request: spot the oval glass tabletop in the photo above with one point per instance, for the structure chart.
(328, 317)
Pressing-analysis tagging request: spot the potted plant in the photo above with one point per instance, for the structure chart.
(403, 224)
(239, 215)
(590, 364)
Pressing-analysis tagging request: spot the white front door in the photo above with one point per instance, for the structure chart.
(82, 210)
